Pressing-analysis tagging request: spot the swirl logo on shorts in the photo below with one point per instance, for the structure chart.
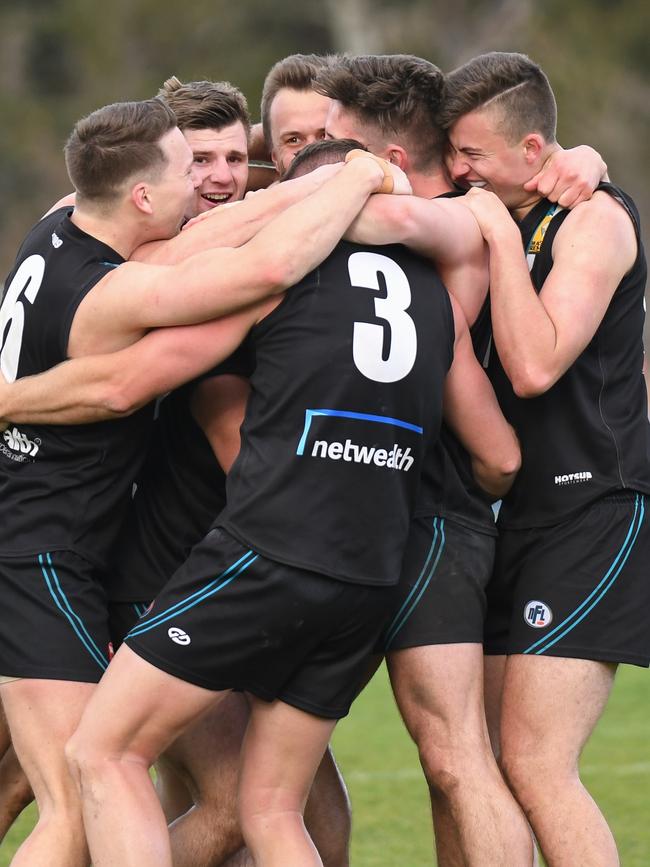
(178, 636)
(537, 614)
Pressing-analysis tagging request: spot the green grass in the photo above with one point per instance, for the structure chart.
(391, 814)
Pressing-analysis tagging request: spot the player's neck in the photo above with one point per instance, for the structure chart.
(110, 230)
(428, 185)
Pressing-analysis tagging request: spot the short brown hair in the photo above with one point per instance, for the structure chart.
(297, 71)
(320, 153)
(205, 104)
(113, 143)
(511, 82)
(399, 93)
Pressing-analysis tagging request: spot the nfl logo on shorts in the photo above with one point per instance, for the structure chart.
(537, 614)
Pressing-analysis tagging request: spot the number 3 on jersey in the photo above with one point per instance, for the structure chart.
(27, 279)
(368, 339)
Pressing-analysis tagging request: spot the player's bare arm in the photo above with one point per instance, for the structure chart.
(234, 224)
(471, 410)
(443, 230)
(538, 337)
(135, 297)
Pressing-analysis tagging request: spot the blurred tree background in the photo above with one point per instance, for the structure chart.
(59, 59)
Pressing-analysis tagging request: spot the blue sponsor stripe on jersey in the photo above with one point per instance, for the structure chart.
(200, 596)
(61, 602)
(358, 416)
(602, 587)
(409, 604)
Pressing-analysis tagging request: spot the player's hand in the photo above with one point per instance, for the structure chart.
(395, 181)
(569, 177)
(489, 211)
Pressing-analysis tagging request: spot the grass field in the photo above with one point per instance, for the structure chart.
(391, 820)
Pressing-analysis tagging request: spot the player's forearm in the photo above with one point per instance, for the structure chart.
(232, 225)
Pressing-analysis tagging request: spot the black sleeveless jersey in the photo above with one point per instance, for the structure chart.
(448, 487)
(61, 487)
(180, 491)
(588, 435)
(346, 396)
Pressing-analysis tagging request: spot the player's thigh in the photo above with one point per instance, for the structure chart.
(439, 687)
(551, 705)
(42, 716)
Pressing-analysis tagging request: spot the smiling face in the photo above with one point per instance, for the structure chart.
(296, 119)
(220, 164)
(481, 156)
(172, 193)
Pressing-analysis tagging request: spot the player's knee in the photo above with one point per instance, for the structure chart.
(83, 758)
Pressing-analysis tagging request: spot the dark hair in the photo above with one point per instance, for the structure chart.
(511, 82)
(398, 93)
(113, 143)
(205, 104)
(297, 71)
(320, 153)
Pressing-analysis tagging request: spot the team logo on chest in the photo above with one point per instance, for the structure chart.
(537, 614)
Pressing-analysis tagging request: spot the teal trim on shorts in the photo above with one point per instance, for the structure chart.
(408, 606)
(61, 602)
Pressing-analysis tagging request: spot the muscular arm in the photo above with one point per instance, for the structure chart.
(136, 297)
(538, 337)
(234, 224)
(443, 230)
(471, 410)
(100, 387)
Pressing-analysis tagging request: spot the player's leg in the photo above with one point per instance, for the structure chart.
(15, 791)
(550, 708)
(439, 690)
(206, 760)
(39, 738)
(111, 753)
(328, 814)
(282, 750)
(435, 660)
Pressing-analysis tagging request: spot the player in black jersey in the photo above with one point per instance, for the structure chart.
(64, 490)
(570, 595)
(434, 641)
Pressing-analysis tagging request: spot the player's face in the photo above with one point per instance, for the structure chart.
(174, 192)
(342, 123)
(297, 118)
(481, 157)
(220, 164)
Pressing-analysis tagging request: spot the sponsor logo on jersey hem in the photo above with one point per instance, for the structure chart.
(178, 636)
(573, 478)
(18, 447)
(537, 614)
(393, 459)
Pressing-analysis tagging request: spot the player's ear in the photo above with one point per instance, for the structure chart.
(533, 144)
(396, 155)
(141, 198)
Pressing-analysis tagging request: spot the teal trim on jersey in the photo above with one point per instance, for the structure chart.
(200, 596)
(398, 623)
(59, 597)
(602, 587)
(359, 416)
(140, 610)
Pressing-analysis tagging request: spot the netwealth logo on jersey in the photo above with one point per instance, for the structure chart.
(18, 447)
(394, 458)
